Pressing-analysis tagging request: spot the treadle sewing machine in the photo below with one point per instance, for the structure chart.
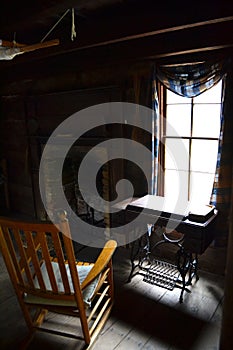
(195, 227)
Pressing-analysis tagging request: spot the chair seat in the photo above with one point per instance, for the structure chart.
(83, 271)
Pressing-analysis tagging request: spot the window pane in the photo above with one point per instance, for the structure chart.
(213, 95)
(178, 120)
(174, 98)
(176, 154)
(204, 155)
(201, 187)
(176, 184)
(206, 120)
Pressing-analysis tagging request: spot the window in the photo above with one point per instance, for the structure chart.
(191, 134)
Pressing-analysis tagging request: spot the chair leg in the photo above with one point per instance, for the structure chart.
(26, 313)
(25, 343)
(39, 317)
(85, 327)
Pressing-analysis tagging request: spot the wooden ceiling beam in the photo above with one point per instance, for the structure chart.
(120, 17)
(157, 32)
(215, 32)
(113, 38)
(193, 43)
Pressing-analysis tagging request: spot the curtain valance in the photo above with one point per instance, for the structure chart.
(193, 79)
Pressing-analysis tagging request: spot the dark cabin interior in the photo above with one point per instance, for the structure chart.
(76, 54)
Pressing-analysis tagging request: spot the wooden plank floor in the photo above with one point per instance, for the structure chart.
(144, 316)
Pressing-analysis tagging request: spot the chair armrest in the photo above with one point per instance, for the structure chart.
(101, 262)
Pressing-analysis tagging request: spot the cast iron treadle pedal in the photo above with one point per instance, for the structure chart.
(162, 274)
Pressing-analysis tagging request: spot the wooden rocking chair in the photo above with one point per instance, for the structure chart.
(46, 277)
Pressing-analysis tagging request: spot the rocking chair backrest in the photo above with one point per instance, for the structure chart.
(28, 251)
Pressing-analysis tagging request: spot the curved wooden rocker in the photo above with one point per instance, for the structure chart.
(47, 277)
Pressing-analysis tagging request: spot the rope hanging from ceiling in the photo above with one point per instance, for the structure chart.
(8, 50)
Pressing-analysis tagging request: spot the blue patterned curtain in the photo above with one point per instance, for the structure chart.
(221, 194)
(155, 137)
(191, 81)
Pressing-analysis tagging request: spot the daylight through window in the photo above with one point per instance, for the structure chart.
(197, 121)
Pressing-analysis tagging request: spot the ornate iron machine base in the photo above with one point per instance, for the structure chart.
(162, 273)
